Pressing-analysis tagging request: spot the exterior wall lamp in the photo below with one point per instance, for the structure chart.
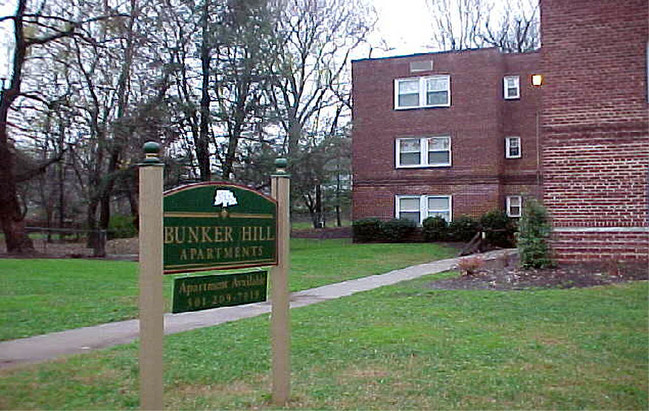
(537, 80)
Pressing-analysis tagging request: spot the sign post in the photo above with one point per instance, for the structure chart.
(205, 227)
(280, 333)
(151, 300)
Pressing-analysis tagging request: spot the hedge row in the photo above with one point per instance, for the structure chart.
(500, 229)
(375, 230)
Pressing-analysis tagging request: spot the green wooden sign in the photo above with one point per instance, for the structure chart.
(212, 291)
(213, 226)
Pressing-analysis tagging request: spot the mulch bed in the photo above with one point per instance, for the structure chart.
(511, 277)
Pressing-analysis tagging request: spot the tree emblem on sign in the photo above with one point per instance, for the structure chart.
(224, 198)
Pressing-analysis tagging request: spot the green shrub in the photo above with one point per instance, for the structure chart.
(121, 226)
(398, 229)
(367, 229)
(462, 228)
(533, 234)
(435, 229)
(500, 230)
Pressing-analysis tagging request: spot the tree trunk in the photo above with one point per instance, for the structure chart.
(11, 217)
(91, 222)
(202, 145)
(318, 205)
(135, 208)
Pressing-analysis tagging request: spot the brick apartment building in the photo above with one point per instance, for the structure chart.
(446, 134)
(462, 133)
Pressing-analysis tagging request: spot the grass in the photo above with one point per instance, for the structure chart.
(401, 347)
(40, 296)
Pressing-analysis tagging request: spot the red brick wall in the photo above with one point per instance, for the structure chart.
(477, 121)
(605, 245)
(595, 126)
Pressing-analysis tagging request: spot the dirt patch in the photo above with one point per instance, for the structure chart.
(323, 233)
(511, 277)
(53, 249)
(119, 248)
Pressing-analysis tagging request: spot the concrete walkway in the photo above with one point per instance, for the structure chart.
(80, 340)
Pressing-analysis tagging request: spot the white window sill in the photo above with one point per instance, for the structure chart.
(426, 166)
(421, 107)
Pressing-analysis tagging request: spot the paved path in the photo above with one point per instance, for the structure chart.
(80, 340)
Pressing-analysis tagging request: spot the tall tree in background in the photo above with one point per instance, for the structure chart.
(32, 29)
(242, 77)
(314, 39)
(517, 30)
(225, 85)
(510, 25)
(457, 24)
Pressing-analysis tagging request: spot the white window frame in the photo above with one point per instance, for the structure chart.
(517, 85)
(423, 152)
(397, 205)
(508, 147)
(422, 92)
(424, 212)
(509, 206)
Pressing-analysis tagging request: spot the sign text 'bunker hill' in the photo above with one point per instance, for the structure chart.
(234, 242)
(217, 226)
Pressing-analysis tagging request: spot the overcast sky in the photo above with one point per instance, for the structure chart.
(404, 25)
(401, 23)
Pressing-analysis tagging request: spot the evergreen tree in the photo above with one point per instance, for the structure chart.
(534, 232)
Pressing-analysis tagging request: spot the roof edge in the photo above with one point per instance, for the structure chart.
(433, 53)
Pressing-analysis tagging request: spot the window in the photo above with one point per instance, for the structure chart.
(511, 87)
(423, 152)
(408, 208)
(514, 206)
(417, 92)
(512, 147)
(418, 208)
(439, 206)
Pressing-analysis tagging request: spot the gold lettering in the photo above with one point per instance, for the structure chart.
(205, 235)
(183, 254)
(228, 234)
(169, 235)
(227, 252)
(193, 235)
(269, 234)
(177, 237)
(209, 254)
(246, 233)
(218, 234)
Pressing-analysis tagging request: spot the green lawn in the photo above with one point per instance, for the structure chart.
(401, 347)
(40, 296)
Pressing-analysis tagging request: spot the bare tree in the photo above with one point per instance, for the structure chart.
(517, 29)
(242, 78)
(310, 88)
(34, 28)
(314, 40)
(457, 24)
(510, 25)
